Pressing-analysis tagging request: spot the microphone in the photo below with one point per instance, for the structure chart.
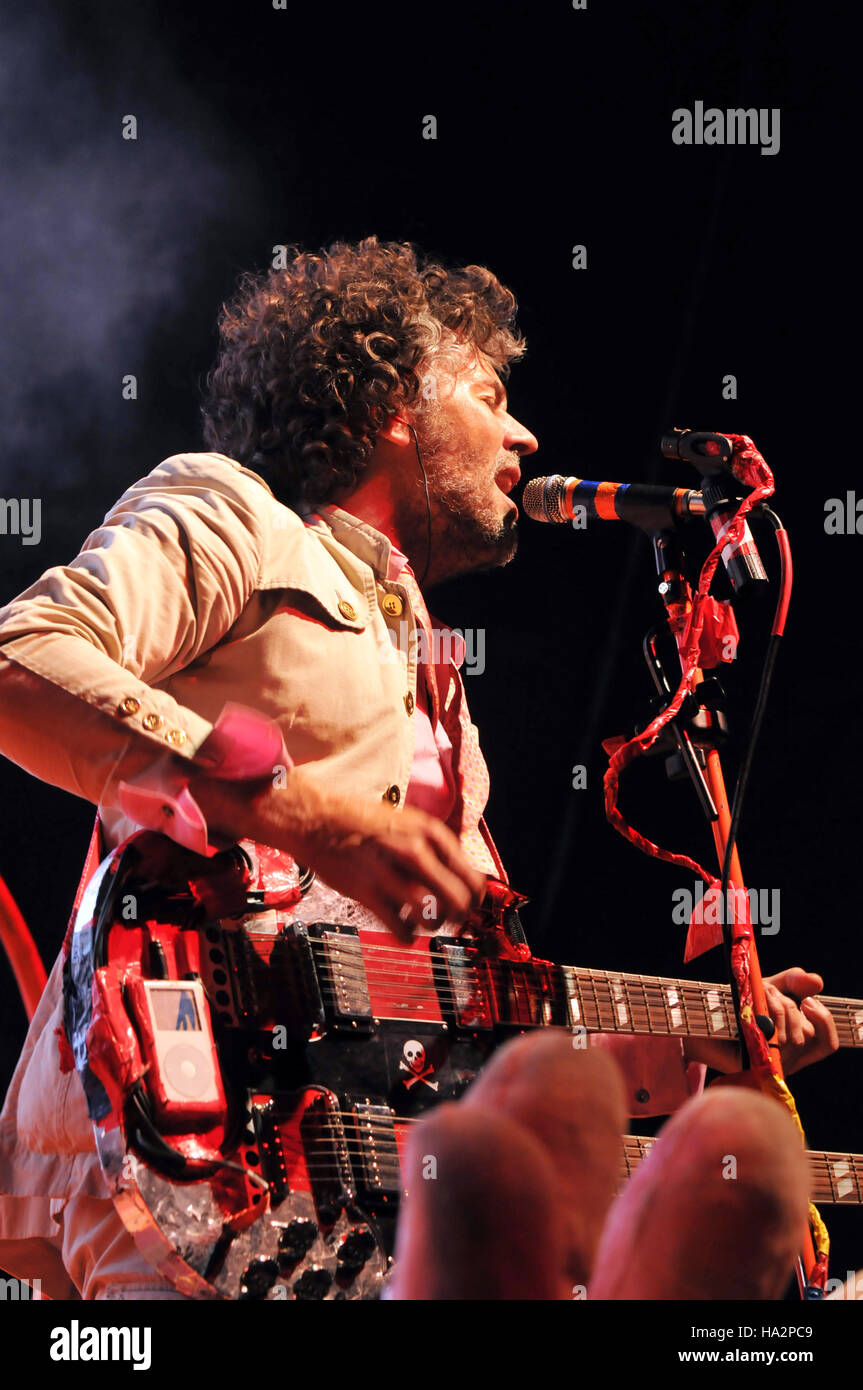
(555, 499)
(653, 508)
(712, 455)
(742, 561)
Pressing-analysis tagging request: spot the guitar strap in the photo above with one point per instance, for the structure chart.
(93, 858)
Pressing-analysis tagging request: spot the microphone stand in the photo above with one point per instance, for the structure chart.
(709, 782)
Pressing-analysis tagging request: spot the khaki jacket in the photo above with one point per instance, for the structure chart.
(200, 588)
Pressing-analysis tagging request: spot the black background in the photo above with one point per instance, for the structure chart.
(259, 127)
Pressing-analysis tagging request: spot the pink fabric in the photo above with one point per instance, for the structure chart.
(432, 786)
(448, 703)
(244, 745)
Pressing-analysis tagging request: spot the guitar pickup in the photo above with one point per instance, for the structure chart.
(372, 1135)
(300, 1005)
(341, 974)
(327, 1156)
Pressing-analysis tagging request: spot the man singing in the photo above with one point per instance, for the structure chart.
(242, 650)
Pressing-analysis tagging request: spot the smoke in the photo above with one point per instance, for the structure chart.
(100, 236)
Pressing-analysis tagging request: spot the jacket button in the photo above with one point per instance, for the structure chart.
(392, 604)
(129, 706)
(152, 721)
(347, 610)
(176, 736)
(409, 702)
(642, 1096)
(392, 795)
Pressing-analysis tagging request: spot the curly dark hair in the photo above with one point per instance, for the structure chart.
(315, 356)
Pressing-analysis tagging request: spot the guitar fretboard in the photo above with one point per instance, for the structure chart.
(607, 1002)
(358, 978)
(837, 1178)
(366, 1138)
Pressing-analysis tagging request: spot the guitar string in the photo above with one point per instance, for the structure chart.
(429, 962)
(390, 1183)
(359, 1123)
(523, 1019)
(824, 1189)
(387, 1172)
(387, 1165)
(536, 996)
(696, 991)
(603, 1014)
(692, 993)
(350, 1138)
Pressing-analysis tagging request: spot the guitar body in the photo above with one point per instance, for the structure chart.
(254, 1050)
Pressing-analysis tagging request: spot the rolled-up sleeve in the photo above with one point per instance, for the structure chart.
(161, 581)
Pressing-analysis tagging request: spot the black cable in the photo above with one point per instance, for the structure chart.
(145, 1136)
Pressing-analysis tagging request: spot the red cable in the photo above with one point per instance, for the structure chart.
(22, 951)
(785, 582)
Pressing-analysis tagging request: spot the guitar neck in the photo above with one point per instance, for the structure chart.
(837, 1178)
(370, 1134)
(607, 1002)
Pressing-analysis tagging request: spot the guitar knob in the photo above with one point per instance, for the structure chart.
(297, 1237)
(312, 1284)
(259, 1278)
(355, 1249)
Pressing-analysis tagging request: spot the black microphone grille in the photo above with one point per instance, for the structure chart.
(541, 498)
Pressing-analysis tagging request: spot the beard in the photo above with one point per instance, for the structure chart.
(467, 530)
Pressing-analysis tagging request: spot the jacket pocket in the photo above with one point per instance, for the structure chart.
(52, 1111)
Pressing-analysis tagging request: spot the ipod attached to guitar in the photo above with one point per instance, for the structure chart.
(183, 1076)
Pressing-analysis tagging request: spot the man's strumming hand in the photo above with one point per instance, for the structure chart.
(405, 866)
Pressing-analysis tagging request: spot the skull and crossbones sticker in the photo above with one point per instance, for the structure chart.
(413, 1061)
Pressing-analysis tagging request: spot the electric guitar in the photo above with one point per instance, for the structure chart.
(254, 1049)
